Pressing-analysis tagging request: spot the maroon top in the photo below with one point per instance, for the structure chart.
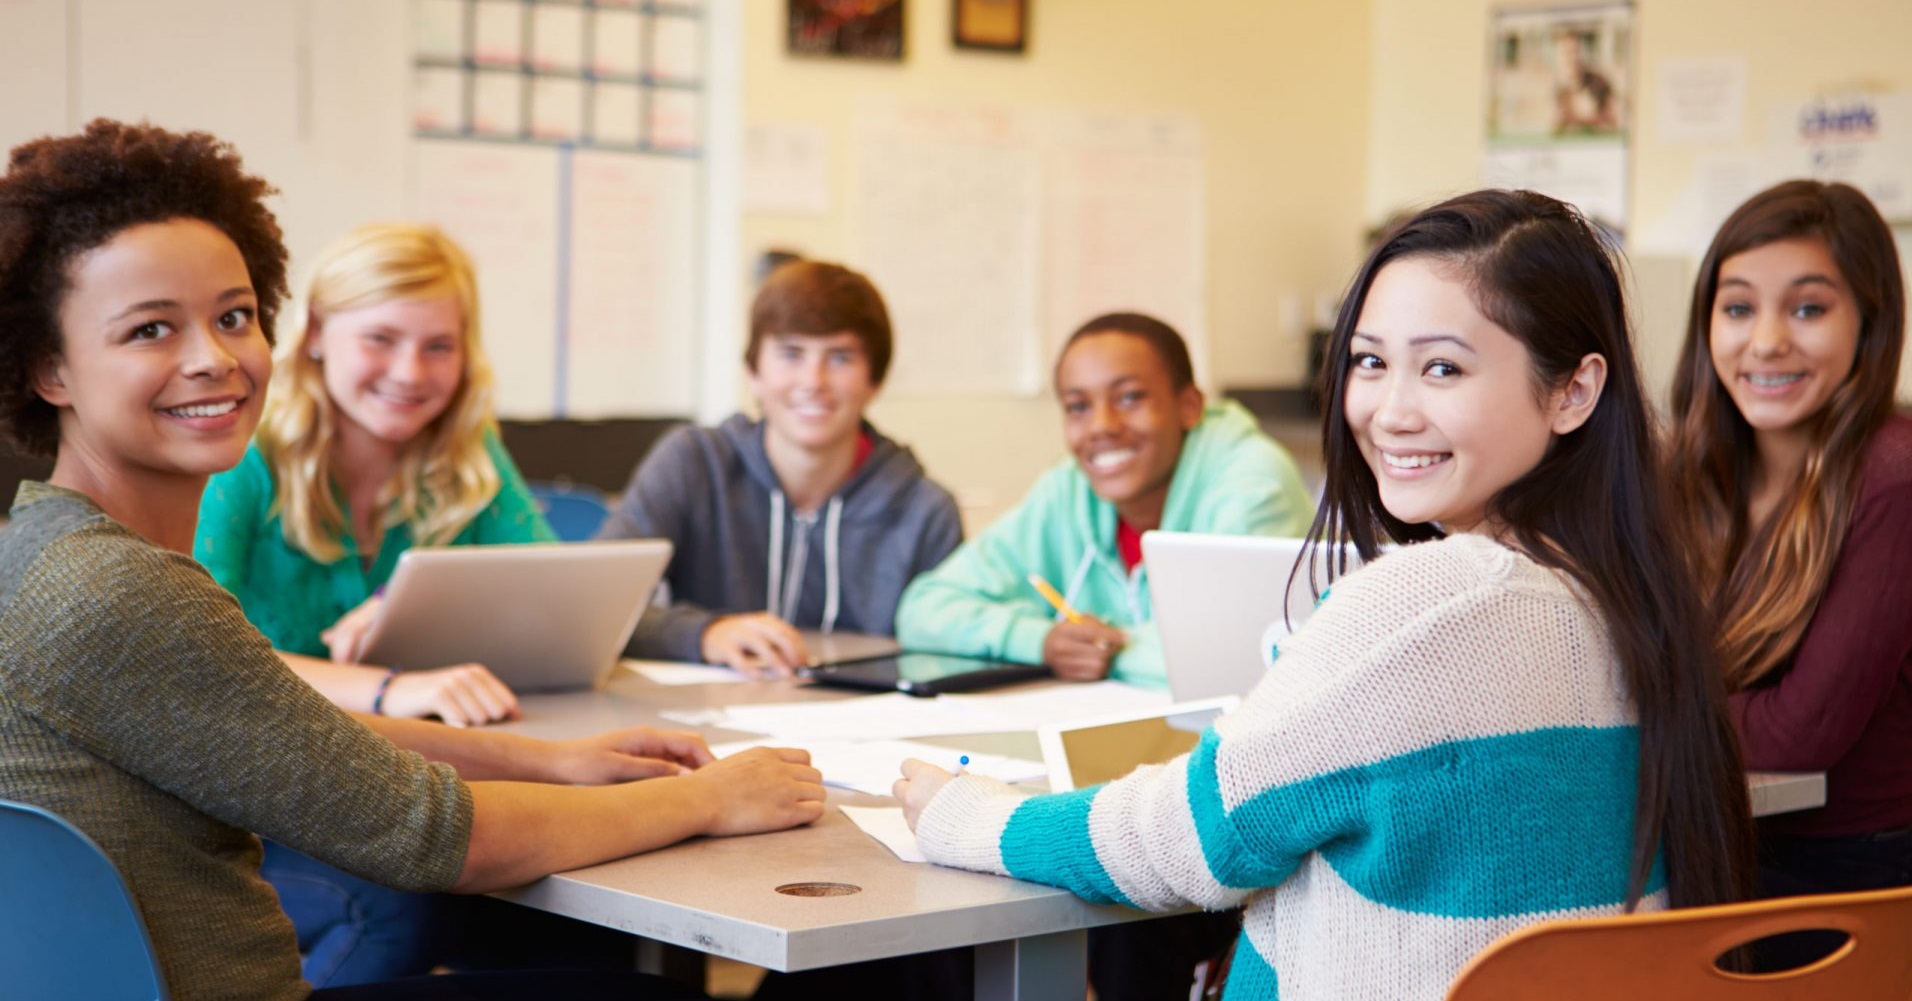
(1845, 705)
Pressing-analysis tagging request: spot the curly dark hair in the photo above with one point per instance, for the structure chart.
(63, 196)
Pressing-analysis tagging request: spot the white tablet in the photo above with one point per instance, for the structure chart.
(540, 617)
(1084, 752)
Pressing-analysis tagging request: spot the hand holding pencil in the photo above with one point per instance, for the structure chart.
(1081, 647)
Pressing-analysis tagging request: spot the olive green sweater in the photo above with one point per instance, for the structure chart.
(136, 702)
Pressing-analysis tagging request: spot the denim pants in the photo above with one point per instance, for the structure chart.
(352, 931)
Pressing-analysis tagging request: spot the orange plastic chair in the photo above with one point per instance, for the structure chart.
(1673, 954)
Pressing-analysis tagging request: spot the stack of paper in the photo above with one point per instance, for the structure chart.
(895, 716)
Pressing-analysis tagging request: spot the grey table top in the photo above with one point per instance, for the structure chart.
(721, 895)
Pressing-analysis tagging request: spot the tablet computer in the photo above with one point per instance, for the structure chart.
(1099, 749)
(923, 673)
(541, 617)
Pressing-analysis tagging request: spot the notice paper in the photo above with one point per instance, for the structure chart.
(668, 673)
(873, 766)
(887, 826)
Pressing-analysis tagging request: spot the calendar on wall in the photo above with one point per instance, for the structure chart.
(598, 74)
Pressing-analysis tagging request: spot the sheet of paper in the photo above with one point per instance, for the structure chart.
(498, 33)
(873, 766)
(887, 826)
(438, 28)
(614, 43)
(667, 673)
(617, 114)
(1108, 177)
(677, 120)
(1700, 100)
(557, 108)
(1027, 710)
(947, 215)
(891, 716)
(495, 199)
(497, 105)
(557, 37)
(677, 47)
(633, 288)
(438, 99)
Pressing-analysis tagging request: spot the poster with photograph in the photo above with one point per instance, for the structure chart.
(1560, 105)
(857, 29)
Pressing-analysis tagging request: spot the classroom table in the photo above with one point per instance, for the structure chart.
(828, 894)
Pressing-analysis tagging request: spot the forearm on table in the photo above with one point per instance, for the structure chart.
(523, 831)
(351, 687)
(477, 755)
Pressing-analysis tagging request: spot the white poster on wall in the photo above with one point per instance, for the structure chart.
(1699, 100)
(1864, 140)
(947, 214)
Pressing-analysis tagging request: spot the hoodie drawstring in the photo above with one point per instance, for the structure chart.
(782, 603)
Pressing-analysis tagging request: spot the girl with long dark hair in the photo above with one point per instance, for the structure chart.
(1513, 716)
(1795, 493)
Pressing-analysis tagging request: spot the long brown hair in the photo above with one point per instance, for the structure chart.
(1594, 507)
(1765, 581)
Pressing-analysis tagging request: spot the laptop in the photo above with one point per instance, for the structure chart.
(923, 674)
(1084, 752)
(1217, 599)
(542, 617)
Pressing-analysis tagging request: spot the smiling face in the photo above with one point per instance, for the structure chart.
(813, 388)
(1783, 333)
(1441, 399)
(1124, 421)
(162, 365)
(393, 367)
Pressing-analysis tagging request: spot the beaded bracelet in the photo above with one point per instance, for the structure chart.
(384, 686)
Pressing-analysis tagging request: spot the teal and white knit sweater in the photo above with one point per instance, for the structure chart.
(1445, 752)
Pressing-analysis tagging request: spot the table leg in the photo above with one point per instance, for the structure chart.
(1038, 968)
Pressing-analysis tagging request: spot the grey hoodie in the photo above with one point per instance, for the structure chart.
(711, 491)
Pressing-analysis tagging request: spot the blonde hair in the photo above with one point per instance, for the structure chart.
(445, 476)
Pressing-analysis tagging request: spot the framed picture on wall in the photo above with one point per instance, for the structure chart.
(853, 29)
(997, 25)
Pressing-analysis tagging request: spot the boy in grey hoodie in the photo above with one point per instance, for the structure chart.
(807, 519)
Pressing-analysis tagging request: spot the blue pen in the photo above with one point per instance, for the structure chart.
(962, 764)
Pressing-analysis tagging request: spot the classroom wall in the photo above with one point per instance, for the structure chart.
(1280, 91)
(1427, 120)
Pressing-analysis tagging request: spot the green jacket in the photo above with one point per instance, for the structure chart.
(1231, 479)
(290, 596)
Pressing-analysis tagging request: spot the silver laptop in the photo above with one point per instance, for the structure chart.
(1215, 599)
(540, 617)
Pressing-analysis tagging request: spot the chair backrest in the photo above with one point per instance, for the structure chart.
(574, 512)
(1673, 954)
(68, 926)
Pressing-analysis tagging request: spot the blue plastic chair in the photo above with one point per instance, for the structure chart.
(68, 926)
(574, 512)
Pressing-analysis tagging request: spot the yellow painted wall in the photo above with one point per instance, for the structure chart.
(1280, 90)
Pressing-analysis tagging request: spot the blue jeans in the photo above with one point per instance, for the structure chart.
(356, 932)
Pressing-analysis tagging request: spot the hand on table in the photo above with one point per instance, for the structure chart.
(757, 643)
(1082, 651)
(624, 755)
(762, 789)
(461, 695)
(346, 639)
(920, 783)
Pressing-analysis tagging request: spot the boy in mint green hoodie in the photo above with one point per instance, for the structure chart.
(1148, 453)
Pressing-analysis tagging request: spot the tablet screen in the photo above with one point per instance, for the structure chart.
(1086, 752)
(925, 673)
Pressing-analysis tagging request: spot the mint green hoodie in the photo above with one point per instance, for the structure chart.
(1231, 479)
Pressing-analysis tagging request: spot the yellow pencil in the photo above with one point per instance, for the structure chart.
(1054, 597)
